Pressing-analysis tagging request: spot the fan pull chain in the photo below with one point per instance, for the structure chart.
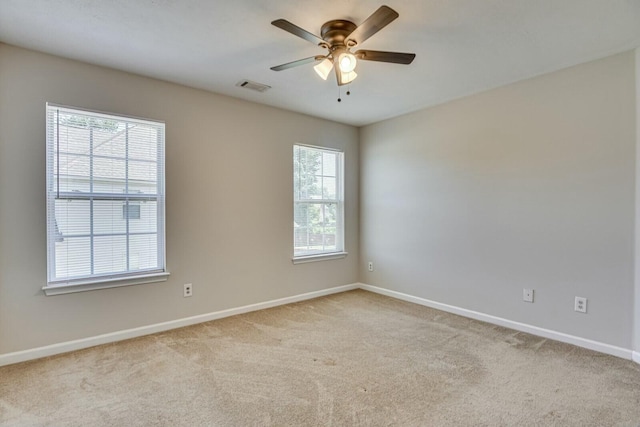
(348, 92)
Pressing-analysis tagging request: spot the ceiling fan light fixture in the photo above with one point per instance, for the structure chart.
(338, 37)
(324, 68)
(348, 77)
(347, 62)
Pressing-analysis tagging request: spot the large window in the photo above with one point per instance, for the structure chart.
(105, 199)
(318, 226)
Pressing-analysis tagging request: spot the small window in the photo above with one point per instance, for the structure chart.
(105, 198)
(130, 211)
(318, 211)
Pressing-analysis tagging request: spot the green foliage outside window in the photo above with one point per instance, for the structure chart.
(89, 122)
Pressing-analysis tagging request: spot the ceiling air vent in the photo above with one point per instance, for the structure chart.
(248, 84)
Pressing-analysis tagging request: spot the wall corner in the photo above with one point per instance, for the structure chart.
(636, 305)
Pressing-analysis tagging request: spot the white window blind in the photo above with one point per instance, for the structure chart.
(318, 211)
(105, 197)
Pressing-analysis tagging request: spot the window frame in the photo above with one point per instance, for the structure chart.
(340, 251)
(54, 285)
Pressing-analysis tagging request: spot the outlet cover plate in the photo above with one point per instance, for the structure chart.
(580, 305)
(188, 290)
(527, 295)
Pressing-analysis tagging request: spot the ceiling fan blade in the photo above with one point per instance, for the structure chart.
(393, 57)
(374, 23)
(297, 63)
(297, 31)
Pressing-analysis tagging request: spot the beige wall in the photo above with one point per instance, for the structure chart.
(229, 201)
(530, 185)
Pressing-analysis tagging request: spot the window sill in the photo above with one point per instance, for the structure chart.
(319, 257)
(103, 284)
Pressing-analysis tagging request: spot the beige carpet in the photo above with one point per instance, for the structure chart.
(355, 358)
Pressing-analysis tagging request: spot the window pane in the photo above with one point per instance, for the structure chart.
(315, 188)
(329, 189)
(300, 215)
(72, 139)
(107, 217)
(298, 172)
(309, 168)
(72, 172)
(146, 146)
(141, 187)
(315, 226)
(142, 252)
(330, 212)
(143, 177)
(329, 237)
(110, 142)
(73, 257)
(147, 222)
(329, 164)
(301, 239)
(72, 217)
(110, 254)
(108, 175)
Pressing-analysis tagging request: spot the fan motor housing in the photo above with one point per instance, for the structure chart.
(334, 32)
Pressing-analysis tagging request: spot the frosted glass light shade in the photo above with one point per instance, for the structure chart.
(347, 62)
(348, 77)
(324, 68)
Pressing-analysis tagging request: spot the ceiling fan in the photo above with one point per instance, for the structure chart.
(338, 37)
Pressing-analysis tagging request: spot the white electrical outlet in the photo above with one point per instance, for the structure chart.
(527, 295)
(580, 305)
(188, 290)
(370, 266)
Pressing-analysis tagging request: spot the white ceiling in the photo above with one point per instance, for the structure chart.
(462, 46)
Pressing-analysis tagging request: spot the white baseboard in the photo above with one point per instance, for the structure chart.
(523, 327)
(50, 350)
(64, 347)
